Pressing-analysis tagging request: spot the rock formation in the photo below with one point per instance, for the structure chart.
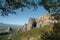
(31, 23)
(46, 19)
(24, 27)
(9, 29)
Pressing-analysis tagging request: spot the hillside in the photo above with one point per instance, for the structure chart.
(44, 33)
(4, 26)
(34, 30)
(33, 34)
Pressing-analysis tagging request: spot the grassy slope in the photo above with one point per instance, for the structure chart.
(33, 34)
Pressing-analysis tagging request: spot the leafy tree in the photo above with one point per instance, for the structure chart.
(9, 6)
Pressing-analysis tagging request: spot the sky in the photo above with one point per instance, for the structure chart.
(22, 17)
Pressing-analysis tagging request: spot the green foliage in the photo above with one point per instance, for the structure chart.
(32, 32)
(10, 6)
(47, 27)
(50, 36)
(55, 35)
(56, 28)
(56, 16)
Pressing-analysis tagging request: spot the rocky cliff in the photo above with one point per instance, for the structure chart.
(46, 19)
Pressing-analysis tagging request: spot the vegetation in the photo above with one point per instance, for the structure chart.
(9, 6)
(52, 35)
(34, 34)
(45, 33)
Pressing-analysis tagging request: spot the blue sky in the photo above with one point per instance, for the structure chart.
(22, 17)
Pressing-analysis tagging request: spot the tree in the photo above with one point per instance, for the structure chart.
(9, 6)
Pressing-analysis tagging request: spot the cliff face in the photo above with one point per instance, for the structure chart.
(31, 23)
(46, 19)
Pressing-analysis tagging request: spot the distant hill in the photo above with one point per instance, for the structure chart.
(5, 26)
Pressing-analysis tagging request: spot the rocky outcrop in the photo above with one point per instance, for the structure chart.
(46, 19)
(8, 29)
(24, 27)
(31, 23)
